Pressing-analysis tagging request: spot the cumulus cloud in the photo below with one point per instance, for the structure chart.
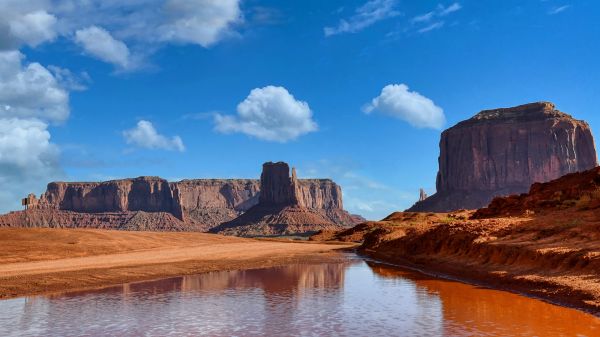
(25, 22)
(270, 113)
(98, 43)
(30, 98)
(366, 15)
(118, 32)
(202, 22)
(144, 135)
(28, 160)
(25, 146)
(396, 100)
(30, 90)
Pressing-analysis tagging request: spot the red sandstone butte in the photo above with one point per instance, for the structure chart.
(153, 203)
(504, 151)
(290, 206)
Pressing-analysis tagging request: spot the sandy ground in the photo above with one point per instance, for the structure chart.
(35, 261)
(553, 256)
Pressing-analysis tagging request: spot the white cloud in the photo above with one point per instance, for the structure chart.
(362, 194)
(398, 101)
(423, 17)
(270, 113)
(443, 11)
(365, 16)
(145, 135)
(433, 26)
(559, 9)
(202, 22)
(30, 90)
(98, 43)
(25, 22)
(424, 20)
(30, 97)
(34, 28)
(68, 80)
(122, 33)
(25, 145)
(28, 160)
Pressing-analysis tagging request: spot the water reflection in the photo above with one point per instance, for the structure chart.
(351, 298)
(472, 310)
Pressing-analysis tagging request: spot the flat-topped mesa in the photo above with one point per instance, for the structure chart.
(531, 111)
(147, 203)
(148, 194)
(504, 151)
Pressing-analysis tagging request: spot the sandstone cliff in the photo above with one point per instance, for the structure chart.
(503, 151)
(545, 243)
(198, 204)
(290, 206)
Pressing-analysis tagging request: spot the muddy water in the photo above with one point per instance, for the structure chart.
(355, 298)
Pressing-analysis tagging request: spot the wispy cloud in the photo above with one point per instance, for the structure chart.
(363, 194)
(433, 20)
(559, 9)
(423, 17)
(433, 26)
(366, 15)
(443, 11)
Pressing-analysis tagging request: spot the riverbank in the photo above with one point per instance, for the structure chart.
(555, 257)
(39, 261)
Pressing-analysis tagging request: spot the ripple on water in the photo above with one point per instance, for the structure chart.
(355, 298)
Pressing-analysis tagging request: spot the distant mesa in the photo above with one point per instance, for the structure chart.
(153, 203)
(504, 151)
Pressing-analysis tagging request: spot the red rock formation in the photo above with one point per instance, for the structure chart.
(580, 190)
(148, 194)
(125, 220)
(276, 185)
(195, 204)
(290, 206)
(503, 151)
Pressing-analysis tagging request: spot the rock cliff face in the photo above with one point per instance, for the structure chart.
(152, 203)
(290, 206)
(149, 194)
(504, 151)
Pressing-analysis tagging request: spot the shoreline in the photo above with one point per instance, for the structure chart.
(103, 259)
(558, 295)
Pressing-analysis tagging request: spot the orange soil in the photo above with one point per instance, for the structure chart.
(554, 256)
(34, 261)
(544, 243)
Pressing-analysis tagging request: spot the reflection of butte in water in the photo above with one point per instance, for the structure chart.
(276, 280)
(465, 305)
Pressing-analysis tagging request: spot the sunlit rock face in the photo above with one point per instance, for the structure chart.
(288, 206)
(504, 151)
(153, 203)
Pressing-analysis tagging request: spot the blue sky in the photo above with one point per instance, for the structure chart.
(356, 91)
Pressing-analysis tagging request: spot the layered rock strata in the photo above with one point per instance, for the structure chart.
(288, 206)
(504, 151)
(153, 203)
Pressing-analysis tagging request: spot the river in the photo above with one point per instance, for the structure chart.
(352, 298)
